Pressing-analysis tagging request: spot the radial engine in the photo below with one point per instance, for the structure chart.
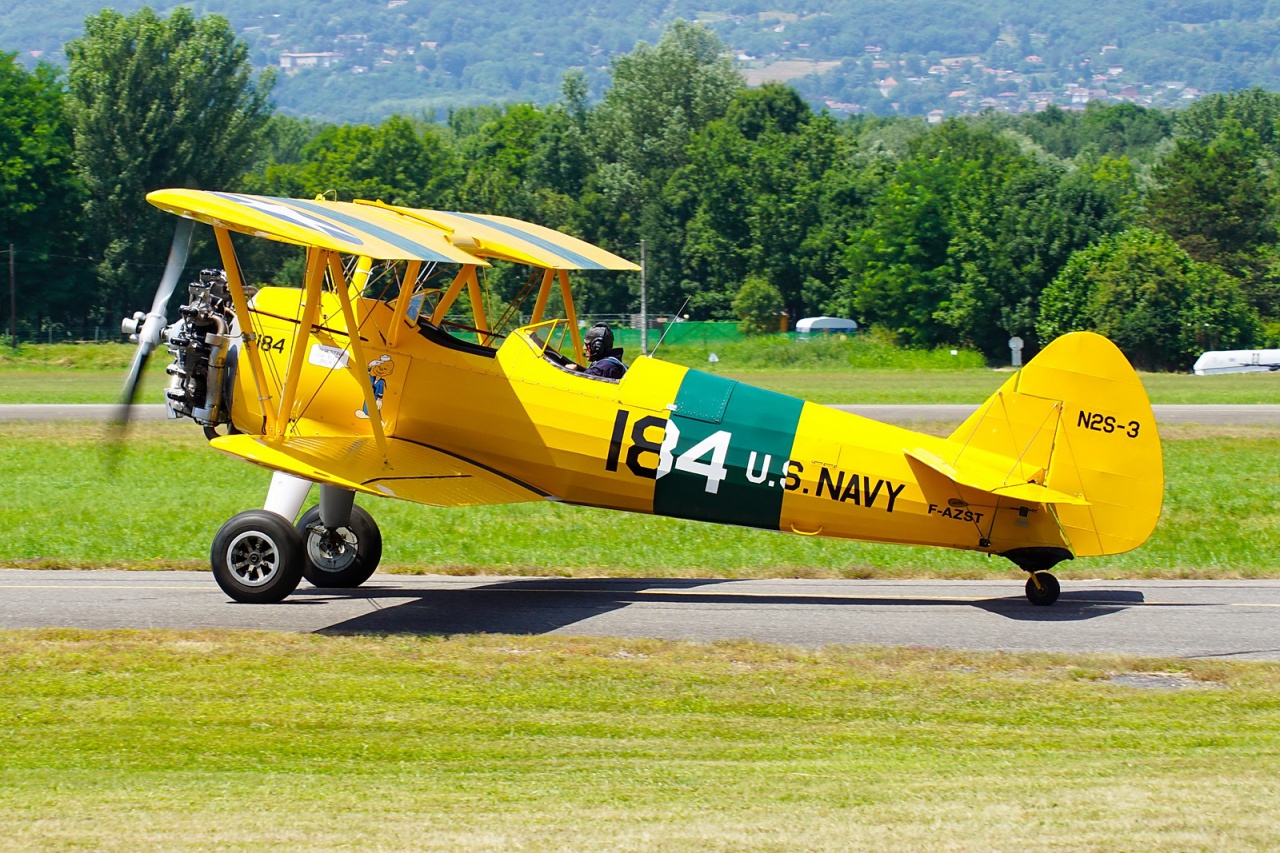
(203, 350)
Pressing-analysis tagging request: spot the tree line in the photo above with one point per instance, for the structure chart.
(1156, 228)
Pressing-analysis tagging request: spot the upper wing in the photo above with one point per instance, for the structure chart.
(516, 240)
(412, 471)
(354, 229)
(387, 232)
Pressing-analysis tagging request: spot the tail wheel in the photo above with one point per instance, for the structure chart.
(1042, 589)
(257, 557)
(339, 557)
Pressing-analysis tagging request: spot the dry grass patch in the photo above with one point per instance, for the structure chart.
(242, 740)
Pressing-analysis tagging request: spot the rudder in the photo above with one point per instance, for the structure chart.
(1079, 411)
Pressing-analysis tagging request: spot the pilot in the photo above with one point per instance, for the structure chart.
(605, 361)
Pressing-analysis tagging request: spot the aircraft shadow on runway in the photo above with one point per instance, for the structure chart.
(1073, 606)
(539, 606)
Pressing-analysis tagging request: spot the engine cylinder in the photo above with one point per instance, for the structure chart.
(200, 343)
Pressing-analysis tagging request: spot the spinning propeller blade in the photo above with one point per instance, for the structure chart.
(147, 328)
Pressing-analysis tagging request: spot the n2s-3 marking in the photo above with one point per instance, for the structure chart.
(1099, 422)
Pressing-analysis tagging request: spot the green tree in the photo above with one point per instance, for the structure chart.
(1215, 201)
(399, 162)
(562, 174)
(40, 195)
(1161, 307)
(1217, 315)
(497, 162)
(761, 196)
(1255, 110)
(1009, 246)
(156, 103)
(758, 306)
(969, 229)
(902, 265)
(284, 139)
(659, 97)
(1116, 130)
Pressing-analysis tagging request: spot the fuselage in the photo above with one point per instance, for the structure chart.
(664, 439)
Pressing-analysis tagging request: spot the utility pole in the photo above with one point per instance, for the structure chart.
(644, 306)
(13, 303)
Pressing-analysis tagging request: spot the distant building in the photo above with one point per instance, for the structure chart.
(295, 61)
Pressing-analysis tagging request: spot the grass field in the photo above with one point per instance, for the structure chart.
(820, 386)
(74, 373)
(168, 494)
(255, 741)
(252, 741)
(93, 373)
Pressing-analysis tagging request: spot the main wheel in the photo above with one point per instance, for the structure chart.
(257, 557)
(341, 557)
(1046, 592)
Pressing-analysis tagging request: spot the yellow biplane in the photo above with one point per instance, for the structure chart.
(359, 382)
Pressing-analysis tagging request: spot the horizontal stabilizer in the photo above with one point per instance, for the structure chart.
(410, 471)
(978, 475)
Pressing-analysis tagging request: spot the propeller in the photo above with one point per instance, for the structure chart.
(146, 328)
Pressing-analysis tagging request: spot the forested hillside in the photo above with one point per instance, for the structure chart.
(1155, 227)
(908, 57)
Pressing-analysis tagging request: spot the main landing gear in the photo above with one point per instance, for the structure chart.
(259, 557)
(1042, 588)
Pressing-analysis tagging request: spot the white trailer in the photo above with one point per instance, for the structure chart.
(1238, 361)
(826, 324)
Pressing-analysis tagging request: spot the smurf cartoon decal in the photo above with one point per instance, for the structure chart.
(379, 369)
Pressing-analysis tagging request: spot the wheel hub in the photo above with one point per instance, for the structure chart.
(332, 549)
(253, 558)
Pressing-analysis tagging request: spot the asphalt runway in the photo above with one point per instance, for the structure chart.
(1187, 619)
(1211, 415)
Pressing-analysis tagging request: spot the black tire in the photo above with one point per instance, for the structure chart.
(342, 558)
(1044, 594)
(257, 557)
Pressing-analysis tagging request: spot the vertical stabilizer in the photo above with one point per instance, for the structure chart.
(1079, 412)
